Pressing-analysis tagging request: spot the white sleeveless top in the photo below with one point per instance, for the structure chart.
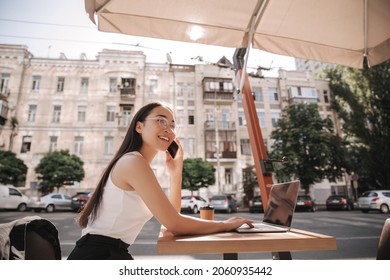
(122, 214)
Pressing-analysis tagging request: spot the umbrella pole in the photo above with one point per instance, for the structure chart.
(262, 166)
(264, 176)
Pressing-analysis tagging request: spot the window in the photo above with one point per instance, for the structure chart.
(3, 111)
(274, 118)
(190, 103)
(257, 94)
(32, 111)
(36, 84)
(228, 86)
(126, 114)
(26, 144)
(241, 118)
(4, 84)
(109, 145)
(56, 114)
(191, 117)
(220, 85)
(53, 143)
(326, 96)
(110, 117)
(273, 94)
(184, 89)
(245, 147)
(179, 118)
(84, 85)
(127, 86)
(228, 176)
(81, 113)
(304, 92)
(78, 145)
(191, 146)
(60, 84)
(261, 116)
(309, 92)
(14, 192)
(180, 90)
(153, 87)
(210, 115)
(225, 118)
(113, 85)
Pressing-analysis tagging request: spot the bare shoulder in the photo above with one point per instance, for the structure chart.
(127, 168)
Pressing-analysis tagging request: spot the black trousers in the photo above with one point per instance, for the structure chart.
(99, 247)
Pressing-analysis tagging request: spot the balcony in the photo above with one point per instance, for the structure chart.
(220, 98)
(223, 155)
(210, 125)
(127, 94)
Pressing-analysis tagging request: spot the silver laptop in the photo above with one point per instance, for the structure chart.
(281, 206)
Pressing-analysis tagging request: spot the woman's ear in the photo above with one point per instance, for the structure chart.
(138, 127)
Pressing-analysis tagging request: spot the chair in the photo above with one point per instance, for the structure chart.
(383, 252)
(30, 238)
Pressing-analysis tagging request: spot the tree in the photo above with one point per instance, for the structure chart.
(249, 182)
(197, 174)
(59, 168)
(314, 152)
(362, 100)
(12, 169)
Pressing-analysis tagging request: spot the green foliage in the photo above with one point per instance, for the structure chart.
(197, 174)
(249, 181)
(362, 99)
(59, 168)
(12, 169)
(314, 152)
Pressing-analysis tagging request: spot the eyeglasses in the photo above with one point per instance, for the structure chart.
(163, 122)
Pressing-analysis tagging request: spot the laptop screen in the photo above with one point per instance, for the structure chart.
(281, 203)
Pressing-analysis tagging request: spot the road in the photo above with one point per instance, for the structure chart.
(357, 234)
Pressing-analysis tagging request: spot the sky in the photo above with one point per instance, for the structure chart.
(51, 27)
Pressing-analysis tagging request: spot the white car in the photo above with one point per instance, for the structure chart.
(50, 202)
(378, 200)
(192, 203)
(12, 199)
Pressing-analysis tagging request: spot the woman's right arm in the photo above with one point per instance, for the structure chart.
(137, 174)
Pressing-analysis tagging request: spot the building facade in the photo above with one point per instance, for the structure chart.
(85, 106)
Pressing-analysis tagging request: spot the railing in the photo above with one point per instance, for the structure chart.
(208, 125)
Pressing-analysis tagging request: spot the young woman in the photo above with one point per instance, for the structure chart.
(128, 193)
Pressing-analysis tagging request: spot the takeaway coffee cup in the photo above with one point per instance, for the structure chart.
(207, 212)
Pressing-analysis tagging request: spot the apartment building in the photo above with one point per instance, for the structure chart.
(85, 106)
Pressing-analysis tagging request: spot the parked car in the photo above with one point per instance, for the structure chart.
(12, 199)
(79, 200)
(339, 202)
(305, 203)
(256, 204)
(378, 200)
(225, 203)
(50, 202)
(192, 203)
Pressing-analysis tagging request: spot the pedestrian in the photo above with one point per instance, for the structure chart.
(129, 194)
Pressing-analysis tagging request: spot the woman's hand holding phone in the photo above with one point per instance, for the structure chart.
(173, 148)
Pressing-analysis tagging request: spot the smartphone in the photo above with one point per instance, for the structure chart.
(172, 149)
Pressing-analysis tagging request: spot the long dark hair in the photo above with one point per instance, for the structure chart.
(131, 142)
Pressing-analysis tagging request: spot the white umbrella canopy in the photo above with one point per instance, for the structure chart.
(334, 31)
